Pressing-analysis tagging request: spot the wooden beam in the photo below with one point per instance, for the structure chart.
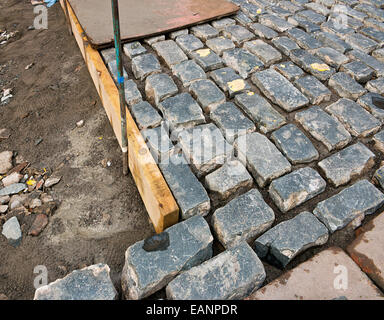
(158, 199)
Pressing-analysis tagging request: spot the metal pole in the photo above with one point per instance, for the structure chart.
(120, 83)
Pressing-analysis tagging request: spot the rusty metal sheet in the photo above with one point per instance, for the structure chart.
(145, 18)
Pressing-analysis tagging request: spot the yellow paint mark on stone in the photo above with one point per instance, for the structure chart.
(320, 67)
(236, 85)
(203, 52)
(250, 93)
(258, 11)
(282, 65)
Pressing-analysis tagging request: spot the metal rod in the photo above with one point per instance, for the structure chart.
(120, 83)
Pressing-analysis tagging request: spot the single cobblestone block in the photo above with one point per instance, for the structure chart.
(181, 111)
(204, 147)
(333, 25)
(366, 102)
(252, 10)
(285, 45)
(240, 270)
(173, 35)
(370, 61)
(299, 21)
(189, 43)
(133, 49)
(263, 31)
(112, 67)
(346, 9)
(170, 52)
(311, 64)
(379, 140)
(294, 144)
(376, 86)
(358, 41)
(349, 205)
(145, 65)
(379, 54)
(159, 87)
(108, 55)
(370, 22)
(242, 219)
(324, 128)
(145, 115)
(289, 70)
(188, 72)
(346, 86)
(279, 90)
(207, 59)
(366, 251)
(244, 62)
(90, 283)
(242, 18)
(333, 41)
(205, 31)
(348, 163)
(378, 177)
(275, 22)
(11, 230)
(223, 23)
(229, 81)
(279, 11)
(178, 248)
(331, 56)
(303, 39)
(312, 16)
(263, 159)
(358, 71)
(132, 93)
(375, 35)
(290, 6)
(260, 111)
(231, 121)
(158, 142)
(238, 34)
(357, 120)
(296, 188)
(152, 40)
(228, 179)
(372, 11)
(220, 44)
(266, 53)
(313, 89)
(320, 271)
(317, 7)
(207, 94)
(281, 244)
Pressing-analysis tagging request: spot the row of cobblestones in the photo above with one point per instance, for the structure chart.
(285, 89)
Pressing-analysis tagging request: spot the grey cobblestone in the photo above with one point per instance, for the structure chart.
(242, 18)
(205, 31)
(296, 188)
(346, 86)
(173, 35)
(361, 42)
(263, 31)
(356, 119)
(231, 121)
(358, 71)
(299, 21)
(279, 90)
(260, 111)
(331, 56)
(312, 16)
(145, 115)
(228, 179)
(375, 35)
(223, 23)
(207, 94)
(131, 92)
(144, 65)
(150, 41)
(333, 41)
(252, 10)
(349, 205)
(379, 54)
(133, 49)
(378, 138)
(159, 87)
(346, 164)
(242, 61)
(241, 272)
(370, 61)
(289, 70)
(263, 159)
(139, 281)
(317, 7)
(376, 86)
(334, 26)
(303, 39)
(378, 177)
(242, 219)
(207, 59)
(189, 43)
(285, 45)
(238, 34)
(288, 239)
(266, 53)
(324, 128)
(366, 102)
(275, 22)
(294, 144)
(313, 89)
(158, 142)
(229, 81)
(170, 52)
(220, 44)
(188, 72)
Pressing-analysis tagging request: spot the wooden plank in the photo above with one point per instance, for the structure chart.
(145, 18)
(154, 191)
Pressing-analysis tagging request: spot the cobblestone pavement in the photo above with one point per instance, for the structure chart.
(286, 87)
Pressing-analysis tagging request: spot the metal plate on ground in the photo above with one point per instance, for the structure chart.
(145, 18)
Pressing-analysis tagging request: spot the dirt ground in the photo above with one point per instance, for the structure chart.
(101, 212)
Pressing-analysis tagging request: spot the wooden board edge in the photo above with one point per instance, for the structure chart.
(155, 193)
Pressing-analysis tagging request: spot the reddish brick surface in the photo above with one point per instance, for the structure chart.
(367, 250)
(315, 280)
